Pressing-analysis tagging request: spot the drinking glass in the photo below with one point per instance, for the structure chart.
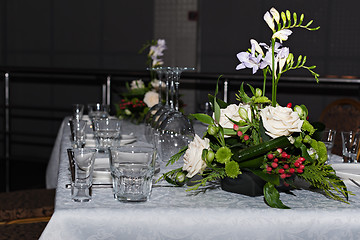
(173, 129)
(107, 132)
(132, 169)
(84, 159)
(78, 133)
(350, 146)
(98, 110)
(328, 138)
(78, 111)
(154, 109)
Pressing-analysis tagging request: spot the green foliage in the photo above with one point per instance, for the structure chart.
(323, 177)
(272, 196)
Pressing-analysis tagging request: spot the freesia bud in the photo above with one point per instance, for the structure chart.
(275, 15)
(269, 20)
(258, 92)
(301, 112)
(243, 113)
(290, 58)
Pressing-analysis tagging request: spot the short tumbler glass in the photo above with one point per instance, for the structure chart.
(107, 132)
(132, 169)
(84, 167)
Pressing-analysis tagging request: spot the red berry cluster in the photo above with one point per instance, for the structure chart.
(240, 133)
(279, 162)
(135, 103)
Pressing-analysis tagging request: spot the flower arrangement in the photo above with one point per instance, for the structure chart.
(277, 144)
(139, 98)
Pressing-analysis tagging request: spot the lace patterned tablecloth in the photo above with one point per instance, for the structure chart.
(173, 213)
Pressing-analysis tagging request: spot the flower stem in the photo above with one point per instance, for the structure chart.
(264, 85)
(273, 93)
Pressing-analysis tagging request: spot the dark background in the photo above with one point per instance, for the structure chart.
(107, 34)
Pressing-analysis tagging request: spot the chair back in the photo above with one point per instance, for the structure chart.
(341, 115)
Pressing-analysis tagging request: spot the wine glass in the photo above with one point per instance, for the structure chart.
(328, 138)
(174, 130)
(154, 109)
(164, 108)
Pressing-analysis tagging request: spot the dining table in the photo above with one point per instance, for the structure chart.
(207, 213)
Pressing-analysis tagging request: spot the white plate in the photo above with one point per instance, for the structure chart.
(125, 139)
(347, 170)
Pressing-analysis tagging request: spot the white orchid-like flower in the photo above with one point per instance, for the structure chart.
(250, 60)
(282, 35)
(156, 51)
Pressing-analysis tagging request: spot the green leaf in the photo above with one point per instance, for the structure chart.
(271, 178)
(252, 163)
(305, 154)
(221, 103)
(204, 118)
(216, 111)
(272, 197)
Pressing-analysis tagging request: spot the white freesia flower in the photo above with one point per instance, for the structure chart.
(193, 163)
(280, 121)
(137, 84)
(151, 98)
(232, 112)
(156, 84)
(256, 46)
(156, 51)
(269, 20)
(275, 15)
(282, 57)
(282, 35)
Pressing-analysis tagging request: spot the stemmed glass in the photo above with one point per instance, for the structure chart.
(161, 71)
(173, 129)
(328, 138)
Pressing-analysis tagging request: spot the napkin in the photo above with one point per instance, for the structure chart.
(125, 139)
(347, 170)
(101, 174)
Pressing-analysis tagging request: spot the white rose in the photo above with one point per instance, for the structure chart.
(151, 98)
(137, 84)
(232, 112)
(193, 163)
(280, 121)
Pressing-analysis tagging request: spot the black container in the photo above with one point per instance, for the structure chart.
(246, 183)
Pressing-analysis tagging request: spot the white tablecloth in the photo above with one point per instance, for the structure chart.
(173, 213)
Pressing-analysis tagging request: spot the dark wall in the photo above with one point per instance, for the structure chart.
(75, 34)
(227, 26)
